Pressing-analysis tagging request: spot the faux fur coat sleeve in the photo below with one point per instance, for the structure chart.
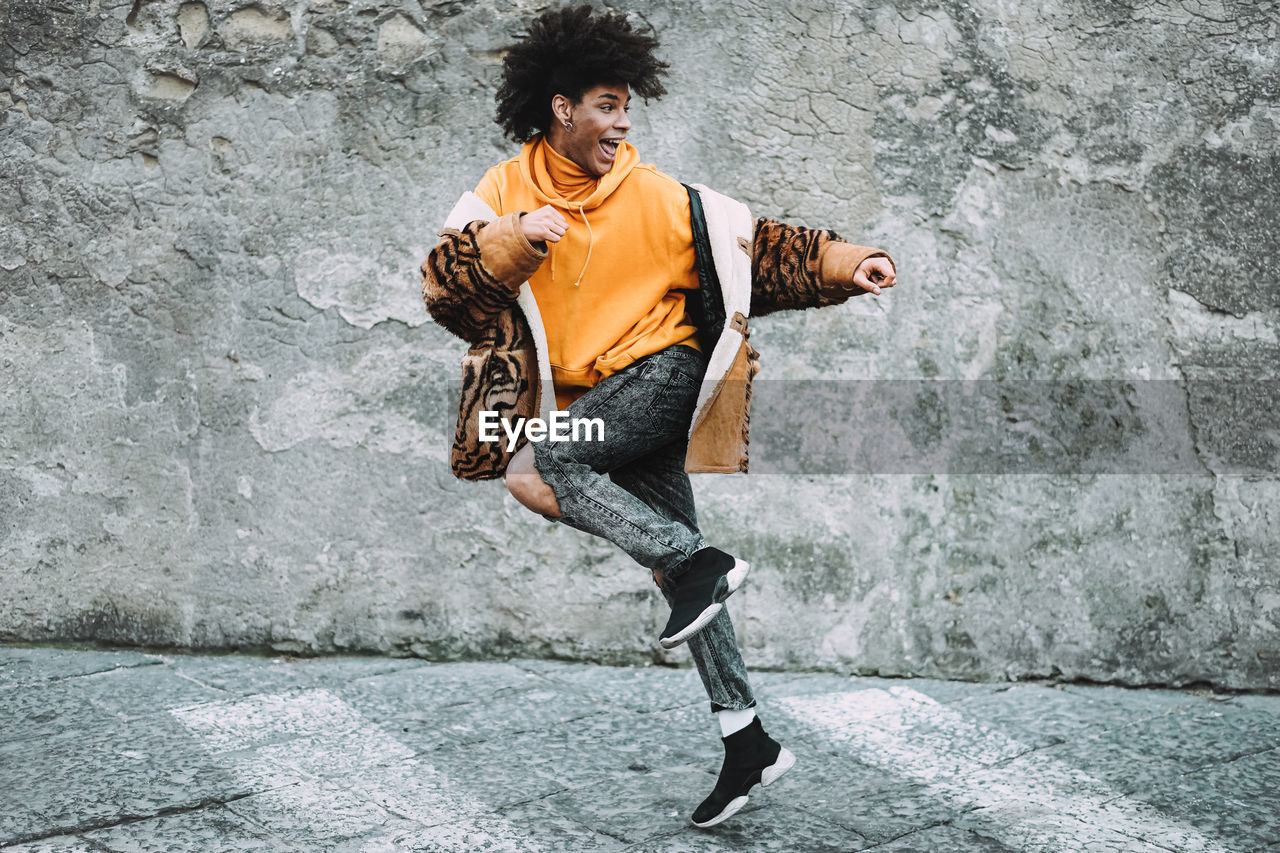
(474, 274)
(795, 267)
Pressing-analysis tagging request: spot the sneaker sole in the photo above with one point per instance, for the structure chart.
(734, 577)
(786, 760)
(735, 805)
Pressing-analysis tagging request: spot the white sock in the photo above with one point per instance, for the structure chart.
(735, 721)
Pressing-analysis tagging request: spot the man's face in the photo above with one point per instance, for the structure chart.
(600, 122)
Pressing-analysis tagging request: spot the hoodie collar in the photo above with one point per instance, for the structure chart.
(559, 181)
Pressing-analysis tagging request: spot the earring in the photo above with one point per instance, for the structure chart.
(568, 125)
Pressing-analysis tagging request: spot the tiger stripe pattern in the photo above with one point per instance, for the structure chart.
(498, 375)
(499, 371)
(785, 267)
(459, 292)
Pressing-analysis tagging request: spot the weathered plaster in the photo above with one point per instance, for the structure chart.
(226, 415)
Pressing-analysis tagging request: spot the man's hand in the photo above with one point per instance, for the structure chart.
(545, 223)
(875, 273)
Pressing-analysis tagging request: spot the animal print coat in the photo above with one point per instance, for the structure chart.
(474, 283)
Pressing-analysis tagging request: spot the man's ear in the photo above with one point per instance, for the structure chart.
(561, 108)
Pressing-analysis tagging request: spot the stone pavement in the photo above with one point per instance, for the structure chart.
(130, 751)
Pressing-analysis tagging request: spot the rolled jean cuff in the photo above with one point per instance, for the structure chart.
(717, 707)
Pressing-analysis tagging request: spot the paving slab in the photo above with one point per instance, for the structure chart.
(39, 709)
(125, 751)
(647, 808)
(1237, 802)
(1201, 733)
(578, 757)
(531, 828)
(346, 817)
(245, 675)
(634, 807)
(1126, 767)
(1263, 702)
(55, 844)
(21, 665)
(877, 803)
(1054, 833)
(772, 827)
(1045, 715)
(802, 683)
(433, 792)
(1143, 699)
(18, 821)
(216, 828)
(275, 740)
(644, 689)
(428, 723)
(432, 706)
(114, 772)
(942, 838)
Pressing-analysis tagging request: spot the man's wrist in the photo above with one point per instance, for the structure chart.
(838, 262)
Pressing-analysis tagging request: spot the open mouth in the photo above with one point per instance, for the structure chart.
(610, 147)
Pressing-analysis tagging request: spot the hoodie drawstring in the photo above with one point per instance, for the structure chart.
(591, 239)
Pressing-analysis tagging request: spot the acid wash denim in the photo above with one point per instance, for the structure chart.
(631, 488)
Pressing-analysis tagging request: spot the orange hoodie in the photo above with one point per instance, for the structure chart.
(607, 291)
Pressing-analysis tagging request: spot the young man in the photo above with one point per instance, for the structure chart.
(587, 281)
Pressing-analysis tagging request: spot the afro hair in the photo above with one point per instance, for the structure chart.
(568, 52)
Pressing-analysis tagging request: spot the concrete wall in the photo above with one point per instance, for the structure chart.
(225, 413)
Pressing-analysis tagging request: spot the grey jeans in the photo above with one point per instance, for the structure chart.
(631, 488)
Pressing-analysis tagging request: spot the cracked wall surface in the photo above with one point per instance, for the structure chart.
(226, 415)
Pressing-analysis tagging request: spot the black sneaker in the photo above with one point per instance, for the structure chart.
(750, 756)
(697, 593)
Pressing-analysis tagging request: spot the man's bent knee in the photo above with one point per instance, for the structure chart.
(527, 486)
